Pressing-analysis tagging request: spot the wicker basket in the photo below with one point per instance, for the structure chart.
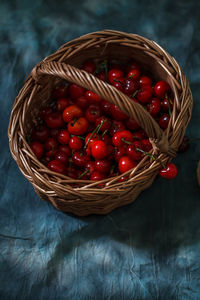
(85, 197)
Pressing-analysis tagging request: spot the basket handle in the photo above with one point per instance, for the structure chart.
(158, 138)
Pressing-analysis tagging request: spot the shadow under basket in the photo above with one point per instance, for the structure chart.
(84, 197)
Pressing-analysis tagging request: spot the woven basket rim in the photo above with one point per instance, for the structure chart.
(52, 184)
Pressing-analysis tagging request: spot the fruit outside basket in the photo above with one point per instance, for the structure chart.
(83, 197)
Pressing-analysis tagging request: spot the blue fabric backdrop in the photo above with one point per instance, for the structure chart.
(147, 250)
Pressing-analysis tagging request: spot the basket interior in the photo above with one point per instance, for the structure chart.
(151, 64)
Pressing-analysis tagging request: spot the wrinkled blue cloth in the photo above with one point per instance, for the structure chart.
(147, 250)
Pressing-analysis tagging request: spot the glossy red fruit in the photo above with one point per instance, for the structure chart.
(106, 123)
(66, 149)
(166, 105)
(54, 120)
(54, 132)
(90, 166)
(37, 149)
(119, 84)
(92, 97)
(122, 179)
(82, 102)
(154, 106)
(122, 138)
(131, 86)
(61, 104)
(114, 74)
(106, 107)
(161, 88)
(93, 112)
(45, 111)
(102, 166)
(97, 176)
(119, 152)
(72, 172)
(89, 66)
(71, 112)
(145, 80)
(80, 159)
(125, 164)
(99, 150)
(132, 124)
(40, 133)
(110, 151)
(50, 154)
(76, 91)
(106, 139)
(101, 76)
(62, 157)
(135, 74)
(51, 144)
(164, 121)
(170, 172)
(116, 126)
(117, 114)
(145, 94)
(146, 145)
(137, 136)
(90, 139)
(132, 151)
(57, 166)
(60, 92)
(75, 143)
(63, 137)
(78, 127)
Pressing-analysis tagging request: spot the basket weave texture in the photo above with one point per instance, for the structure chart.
(83, 197)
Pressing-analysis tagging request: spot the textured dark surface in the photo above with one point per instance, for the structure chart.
(147, 250)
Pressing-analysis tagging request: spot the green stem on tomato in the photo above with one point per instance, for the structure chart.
(105, 131)
(135, 93)
(153, 157)
(74, 121)
(100, 125)
(126, 142)
(80, 137)
(82, 174)
(93, 132)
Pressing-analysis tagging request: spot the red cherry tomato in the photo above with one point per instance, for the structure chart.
(169, 172)
(132, 124)
(117, 113)
(57, 166)
(145, 94)
(134, 73)
(60, 92)
(145, 80)
(116, 126)
(164, 121)
(63, 137)
(71, 112)
(80, 159)
(66, 149)
(99, 150)
(51, 144)
(161, 88)
(115, 74)
(132, 151)
(122, 138)
(45, 111)
(93, 112)
(105, 106)
(125, 164)
(119, 152)
(40, 133)
(104, 122)
(146, 145)
(97, 176)
(54, 120)
(131, 86)
(37, 149)
(154, 106)
(102, 166)
(62, 103)
(82, 102)
(76, 91)
(78, 127)
(89, 66)
(75, 143)
(92, 97)
(62, 157)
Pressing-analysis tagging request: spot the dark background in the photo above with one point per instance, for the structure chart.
(147, 250)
